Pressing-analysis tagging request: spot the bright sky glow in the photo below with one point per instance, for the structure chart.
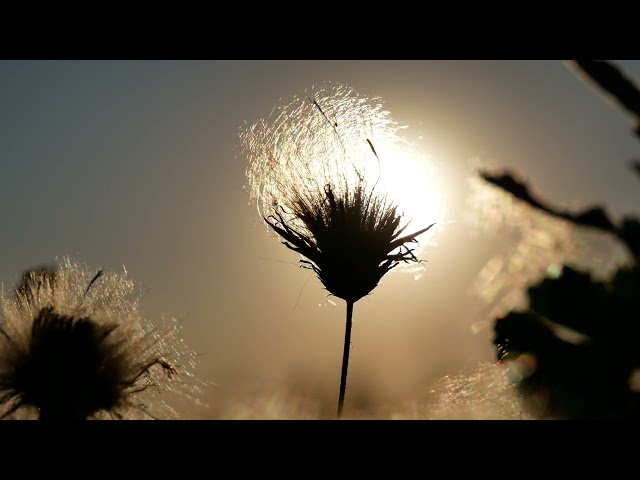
(332, 135)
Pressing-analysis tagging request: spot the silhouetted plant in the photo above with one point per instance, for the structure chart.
(76, 347)
(574, 350)
(615, 84)
(306, 171)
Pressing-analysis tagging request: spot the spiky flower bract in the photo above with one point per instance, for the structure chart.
(350, 242)
(77, 347)
(315, 176)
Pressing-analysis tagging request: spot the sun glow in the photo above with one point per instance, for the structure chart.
(331, 136)
(410, 181)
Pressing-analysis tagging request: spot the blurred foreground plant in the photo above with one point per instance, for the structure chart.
(574, 351)
(307, 172)
(74, 346)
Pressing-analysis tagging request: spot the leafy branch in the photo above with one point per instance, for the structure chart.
(576, 345)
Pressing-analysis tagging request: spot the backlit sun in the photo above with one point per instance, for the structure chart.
(332, 136)
(411, 181)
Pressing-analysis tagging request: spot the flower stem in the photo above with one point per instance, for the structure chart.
(345, 357)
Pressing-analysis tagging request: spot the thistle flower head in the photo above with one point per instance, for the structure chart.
(350, 241)
(314, 173)
(77, 347)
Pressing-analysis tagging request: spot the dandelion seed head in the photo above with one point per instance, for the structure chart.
(77, 346)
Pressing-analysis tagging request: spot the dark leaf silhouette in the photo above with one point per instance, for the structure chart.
(629, 233)
(575, 347)
(593, 217)
(572, 300)
(583, 373)
(615, 83)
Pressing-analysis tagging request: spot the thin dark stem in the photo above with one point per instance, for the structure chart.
(345, 357)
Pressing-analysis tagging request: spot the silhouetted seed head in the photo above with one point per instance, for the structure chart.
(68, 371)
(351, 240)
(317, 180)
(81, 350)
(314, 174)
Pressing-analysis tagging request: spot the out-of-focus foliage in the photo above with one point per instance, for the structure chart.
(574, 351)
